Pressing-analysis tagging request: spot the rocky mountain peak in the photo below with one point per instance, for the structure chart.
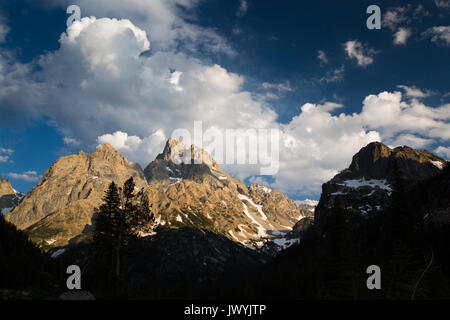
(178, 152)
(5, 187)
(61, 206)
(171, 147)
(369, 155)
(106, 152)
(376, 161)
(9, 197)
(366, 185)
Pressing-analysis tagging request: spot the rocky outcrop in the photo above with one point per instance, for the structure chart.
(61, 206)
(9, 198)
(366, 186)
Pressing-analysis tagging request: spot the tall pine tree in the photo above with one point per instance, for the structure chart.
(118, 221)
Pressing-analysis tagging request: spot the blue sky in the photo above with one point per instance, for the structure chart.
(274, 58)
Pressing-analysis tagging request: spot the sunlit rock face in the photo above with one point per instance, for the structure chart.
(9, 198)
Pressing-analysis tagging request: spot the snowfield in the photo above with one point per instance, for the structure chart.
(373, 183)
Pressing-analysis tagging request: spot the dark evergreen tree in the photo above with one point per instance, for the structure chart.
(118, 221)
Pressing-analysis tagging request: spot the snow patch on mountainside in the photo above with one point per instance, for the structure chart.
(57, 253)
(261, 230)
(285, 243)
(257, 206)
(355, 184)
(438, 164)
(264, 189)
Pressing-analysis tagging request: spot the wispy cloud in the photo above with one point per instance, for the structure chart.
(414, 92)
(71, 141)
(439, 35)
(281, 87)
(400, 16)
(334, 76)
(443, 151)
(29, 176)
(322, 57)
(5, 154)
(243, 8)
(442, 4)
(401, 36)
(362, 54)
(4, 28)
(400, 19)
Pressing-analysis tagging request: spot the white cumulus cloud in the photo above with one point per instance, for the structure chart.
(166, 21)
(101, 89)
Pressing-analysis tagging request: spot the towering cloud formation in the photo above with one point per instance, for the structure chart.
(102, 85)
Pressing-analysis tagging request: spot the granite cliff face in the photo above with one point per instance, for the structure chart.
(182, 194)
(61, 206)
(9, 198)
(366, 186)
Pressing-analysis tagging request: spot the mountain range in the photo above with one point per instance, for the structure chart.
(59, 210)
(211, 228)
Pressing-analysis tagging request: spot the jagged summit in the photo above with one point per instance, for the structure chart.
(5, 187)
(169, 148)
(179, 153)
(179, 161)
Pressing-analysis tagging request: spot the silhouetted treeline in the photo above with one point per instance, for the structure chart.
(22, 264)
